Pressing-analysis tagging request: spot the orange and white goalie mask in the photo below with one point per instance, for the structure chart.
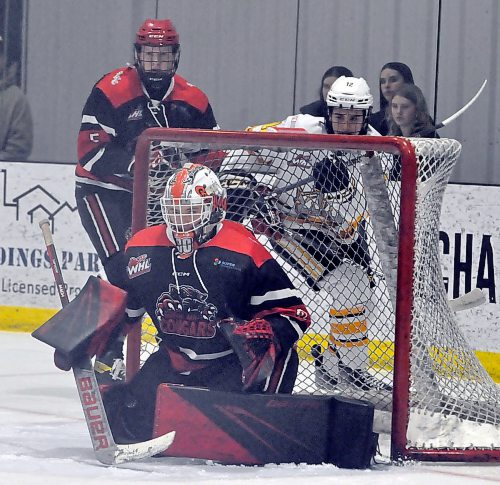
(193, 207)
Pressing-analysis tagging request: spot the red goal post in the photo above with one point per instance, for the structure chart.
(437, 380)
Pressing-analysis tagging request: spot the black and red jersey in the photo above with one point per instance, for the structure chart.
(232, 275)
(118, 110)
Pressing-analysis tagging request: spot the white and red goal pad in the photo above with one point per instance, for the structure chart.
(444, 405)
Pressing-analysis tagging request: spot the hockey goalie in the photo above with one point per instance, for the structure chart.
(310, 205)
(227, 317)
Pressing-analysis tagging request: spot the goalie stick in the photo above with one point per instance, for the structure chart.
(105, 448)
(454, 116)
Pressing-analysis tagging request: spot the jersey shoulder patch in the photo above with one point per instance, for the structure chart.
(235, 237)
(189, 93)
(121, 85)
(150, 236)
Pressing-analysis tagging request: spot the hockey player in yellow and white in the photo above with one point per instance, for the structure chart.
(317, 227)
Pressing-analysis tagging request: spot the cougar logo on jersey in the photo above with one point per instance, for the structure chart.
(138, 266)
(184, 311)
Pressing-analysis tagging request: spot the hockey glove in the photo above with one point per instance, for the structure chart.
(255, 345)
(331, 177)
(265, 207)
(240, 187)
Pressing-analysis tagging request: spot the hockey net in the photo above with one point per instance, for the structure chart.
(443, 405)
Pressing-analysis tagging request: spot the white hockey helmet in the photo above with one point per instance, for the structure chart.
(349, 93)
(193, 205)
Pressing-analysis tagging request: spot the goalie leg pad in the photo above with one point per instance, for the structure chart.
(255, 429)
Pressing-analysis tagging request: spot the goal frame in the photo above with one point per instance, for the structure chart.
(406, 255)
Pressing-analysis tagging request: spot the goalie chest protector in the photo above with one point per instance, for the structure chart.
(255, 429)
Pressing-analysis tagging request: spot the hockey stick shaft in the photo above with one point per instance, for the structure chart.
(54, 262)
(286, 188)
(454, 116)
(105, 448)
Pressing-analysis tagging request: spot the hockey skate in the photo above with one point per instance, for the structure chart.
(326, 377)
(109, 367)
(362, 379)
(331, 373)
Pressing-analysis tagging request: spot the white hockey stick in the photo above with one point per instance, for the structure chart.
(470, 300)
(105, 448)
(454, 116)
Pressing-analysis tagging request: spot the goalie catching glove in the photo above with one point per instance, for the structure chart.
(256, 346)
(247, 198)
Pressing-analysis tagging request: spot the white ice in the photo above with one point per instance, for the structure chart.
(44, 440)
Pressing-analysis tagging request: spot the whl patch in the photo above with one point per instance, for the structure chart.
(138, 266)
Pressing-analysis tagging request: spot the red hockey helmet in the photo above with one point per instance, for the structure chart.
(157, 52)
(157, 32)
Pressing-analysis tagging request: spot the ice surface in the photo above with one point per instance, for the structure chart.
(44, 440)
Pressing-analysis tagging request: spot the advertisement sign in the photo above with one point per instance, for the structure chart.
(30, 192)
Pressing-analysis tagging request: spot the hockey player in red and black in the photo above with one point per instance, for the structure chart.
(318, 227)
(122, 104)
(226, 313)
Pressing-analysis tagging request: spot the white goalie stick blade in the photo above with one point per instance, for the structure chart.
(105, 448)
(470, 300)
(144, 449)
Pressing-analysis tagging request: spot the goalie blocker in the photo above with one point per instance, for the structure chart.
(86, 324)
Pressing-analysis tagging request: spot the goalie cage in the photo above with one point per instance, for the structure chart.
(444, 405)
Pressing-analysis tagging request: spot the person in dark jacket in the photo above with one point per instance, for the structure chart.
(392, 76)
(16, 123)
(409, 115)
(318, 107)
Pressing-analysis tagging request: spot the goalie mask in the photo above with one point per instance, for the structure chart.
(157, 52)
(193, 206)
(349, 104)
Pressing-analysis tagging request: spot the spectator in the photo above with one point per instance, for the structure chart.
(120, 107)
(16, 124)
(408, 114)
(318, 107)
(392, 76)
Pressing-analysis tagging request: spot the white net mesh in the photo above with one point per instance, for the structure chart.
(322, 226)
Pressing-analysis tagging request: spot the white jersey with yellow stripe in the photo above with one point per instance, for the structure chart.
(337, 212)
